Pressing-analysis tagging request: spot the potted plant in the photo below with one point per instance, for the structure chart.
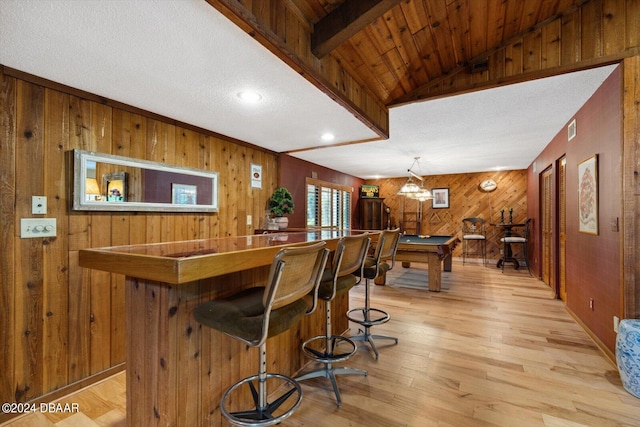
(280, 204)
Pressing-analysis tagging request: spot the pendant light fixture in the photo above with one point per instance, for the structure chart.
(411, 190)
(423, 195)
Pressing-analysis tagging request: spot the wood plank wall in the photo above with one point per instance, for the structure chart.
(465, 200)
(597, 32)
(631, 187)
(61, 324)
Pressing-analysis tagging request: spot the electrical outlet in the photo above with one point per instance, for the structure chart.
(616, 323)
(38, 205)
(591, 303)
(614, 224)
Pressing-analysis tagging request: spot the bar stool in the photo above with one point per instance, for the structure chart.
(255, 314)
(473, 232)
(338, 279)
(367, 316)
(509, 241)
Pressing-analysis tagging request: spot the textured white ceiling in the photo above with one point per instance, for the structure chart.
(184, 60)
(181, 59)
(498, 129)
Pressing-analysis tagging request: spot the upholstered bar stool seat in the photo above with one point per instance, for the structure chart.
(241, 315)
(328, 349)
(253, 315)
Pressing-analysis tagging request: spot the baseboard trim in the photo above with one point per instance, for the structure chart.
(66, 390)
(609, 355)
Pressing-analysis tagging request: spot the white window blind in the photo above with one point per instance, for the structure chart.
(328, 205)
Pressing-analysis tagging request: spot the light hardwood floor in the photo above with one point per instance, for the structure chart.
(491, 349)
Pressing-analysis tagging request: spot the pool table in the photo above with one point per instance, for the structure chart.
(432, 250)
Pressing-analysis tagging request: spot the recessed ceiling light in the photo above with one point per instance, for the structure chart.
(328, 137)
(249, 96)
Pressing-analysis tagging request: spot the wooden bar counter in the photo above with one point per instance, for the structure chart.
(177, 370)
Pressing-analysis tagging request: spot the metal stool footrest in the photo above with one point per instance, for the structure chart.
(365, 316)
(262, 415)
(337, 349)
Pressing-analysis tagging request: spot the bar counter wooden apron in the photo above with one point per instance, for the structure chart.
(177, 370)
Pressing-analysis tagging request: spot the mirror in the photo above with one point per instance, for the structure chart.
(104, 182)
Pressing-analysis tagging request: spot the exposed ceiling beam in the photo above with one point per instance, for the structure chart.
(312, 70)
(344, 22)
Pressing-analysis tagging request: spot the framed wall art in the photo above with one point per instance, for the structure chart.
(256, 176)
(182, 194)
(440, 198)
(588, 195)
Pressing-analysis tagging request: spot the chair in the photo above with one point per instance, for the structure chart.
(382, 260)
(474, 239)
(509, 240)
(338, 279)
(255, 314)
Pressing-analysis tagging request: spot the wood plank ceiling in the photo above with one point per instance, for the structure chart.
(415, 42)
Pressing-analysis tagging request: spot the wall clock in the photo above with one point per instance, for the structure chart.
(488, 185)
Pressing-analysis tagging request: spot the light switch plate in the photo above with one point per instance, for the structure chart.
(31, 228)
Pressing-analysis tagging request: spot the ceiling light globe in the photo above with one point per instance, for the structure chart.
(327, 137)
(249, 96)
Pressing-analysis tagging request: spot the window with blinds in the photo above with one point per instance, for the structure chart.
(328, 205)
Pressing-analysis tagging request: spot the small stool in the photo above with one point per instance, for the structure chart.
(256, 314)
(473, 232)
(374, 266)
(510, 240)
(328, 348)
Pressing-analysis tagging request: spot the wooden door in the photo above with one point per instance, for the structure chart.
(372, 214)
(562, 229)
(546, 227)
